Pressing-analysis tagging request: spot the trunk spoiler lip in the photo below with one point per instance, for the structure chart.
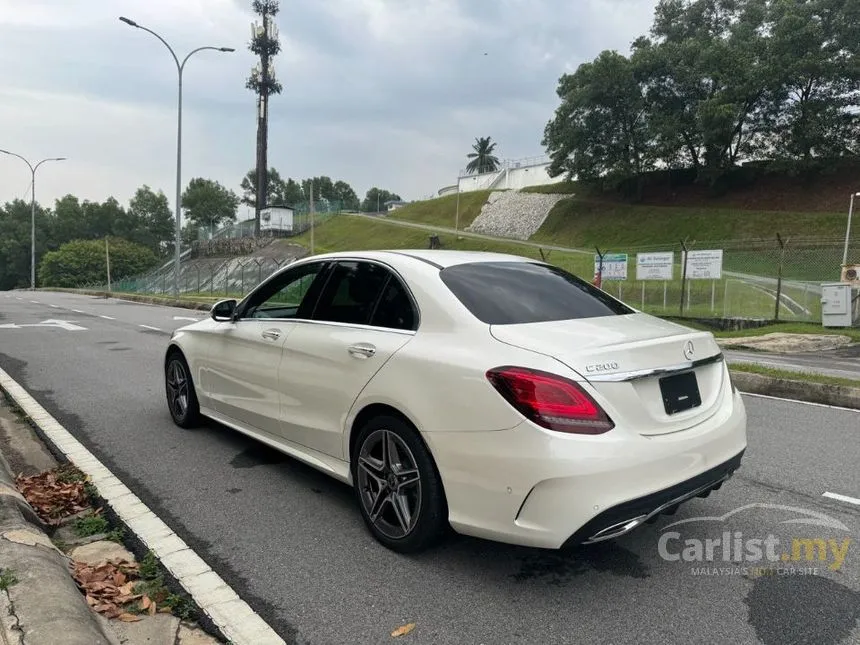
(686, 366)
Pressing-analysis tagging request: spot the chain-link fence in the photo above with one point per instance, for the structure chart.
(276, 222)
(729, 279)
(201, 278)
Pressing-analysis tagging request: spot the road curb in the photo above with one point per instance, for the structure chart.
(840, 396)
(43, 605)
(142, 299)
(231, 615)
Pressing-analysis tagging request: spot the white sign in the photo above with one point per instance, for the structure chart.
(614, 266)
(68, 325)
(655, 266)
(704, 265)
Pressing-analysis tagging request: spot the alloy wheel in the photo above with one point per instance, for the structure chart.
(389, 483)
(177, 388)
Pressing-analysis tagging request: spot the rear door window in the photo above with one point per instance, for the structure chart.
(509, 293)
(351, 293)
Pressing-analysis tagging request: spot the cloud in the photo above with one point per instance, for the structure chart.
(376, 92)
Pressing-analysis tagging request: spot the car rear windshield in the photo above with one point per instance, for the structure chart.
(508, 293)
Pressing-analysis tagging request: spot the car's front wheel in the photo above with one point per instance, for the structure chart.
(181, 397)
(398, 488)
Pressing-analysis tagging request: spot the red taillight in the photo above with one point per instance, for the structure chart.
(551, 401)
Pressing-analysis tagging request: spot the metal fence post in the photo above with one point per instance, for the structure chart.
(683, 275)
(779, 275)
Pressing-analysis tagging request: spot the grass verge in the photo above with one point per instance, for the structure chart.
(792, 328)
(791, 375)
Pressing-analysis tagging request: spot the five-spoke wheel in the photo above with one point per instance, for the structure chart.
(398, 488)
(181, 397)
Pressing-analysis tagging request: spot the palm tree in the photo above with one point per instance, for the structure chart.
(483, 159)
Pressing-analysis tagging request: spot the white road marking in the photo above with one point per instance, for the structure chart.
(186, 318)
(842, 498)
(68, 325)
(239, 623)
(150, 327)
(819, 405)
(107, 317)
(54, 306)
(77, 311)
(35, 302)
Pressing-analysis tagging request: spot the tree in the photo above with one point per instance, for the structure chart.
(323, 188)
(600, 130)
(375, 198)
(15, 242)
(293, 192)
(83, 261)
(813, 55)
(343, 192)
(707, 79)
(149, 221)
(276, 189)
(209, 204)
(482, 158)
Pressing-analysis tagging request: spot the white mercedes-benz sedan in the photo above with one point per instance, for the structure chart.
(494, 394)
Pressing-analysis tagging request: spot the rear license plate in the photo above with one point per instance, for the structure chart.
(680, 392)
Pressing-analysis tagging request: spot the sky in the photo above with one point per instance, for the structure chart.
(388, 93)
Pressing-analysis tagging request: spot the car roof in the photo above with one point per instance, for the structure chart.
(441, 258)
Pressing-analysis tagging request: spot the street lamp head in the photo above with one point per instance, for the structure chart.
(128, 21)
(226, 49)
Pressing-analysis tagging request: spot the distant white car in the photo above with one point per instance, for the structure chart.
(495, 394)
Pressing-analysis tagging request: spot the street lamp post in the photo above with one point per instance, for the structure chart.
(848, 228)
(32, 209)
(180, 67)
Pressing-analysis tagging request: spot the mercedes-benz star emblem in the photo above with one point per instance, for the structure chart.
(689, 350)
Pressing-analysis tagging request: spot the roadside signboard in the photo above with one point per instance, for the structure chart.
(704, 265)
(655, 266)
(614, 266)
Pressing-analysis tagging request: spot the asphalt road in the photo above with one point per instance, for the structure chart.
(292, 543)
(843, 363)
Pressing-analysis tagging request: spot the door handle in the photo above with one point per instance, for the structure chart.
(362, 350)
(271, 334)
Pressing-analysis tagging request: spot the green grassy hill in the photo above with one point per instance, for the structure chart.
(442, 211)
(582, 223)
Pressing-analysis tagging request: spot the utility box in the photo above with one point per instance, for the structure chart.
(838, 305)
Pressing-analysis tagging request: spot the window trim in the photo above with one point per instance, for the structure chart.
(325, 275)
(392, 274)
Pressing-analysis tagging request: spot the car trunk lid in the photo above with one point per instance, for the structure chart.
(640, 366)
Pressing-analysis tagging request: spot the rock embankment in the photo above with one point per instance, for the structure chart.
(514, 214)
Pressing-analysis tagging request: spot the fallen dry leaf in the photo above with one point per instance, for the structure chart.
(128, 618)
(51, 499)
(403, 630)
(104, 594)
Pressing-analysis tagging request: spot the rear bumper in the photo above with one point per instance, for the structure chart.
(532, 487)
(623, 518)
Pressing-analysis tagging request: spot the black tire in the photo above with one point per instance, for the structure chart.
(187, 415)
(428, 516)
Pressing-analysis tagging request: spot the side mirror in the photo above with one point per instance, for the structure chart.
(223, 310)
